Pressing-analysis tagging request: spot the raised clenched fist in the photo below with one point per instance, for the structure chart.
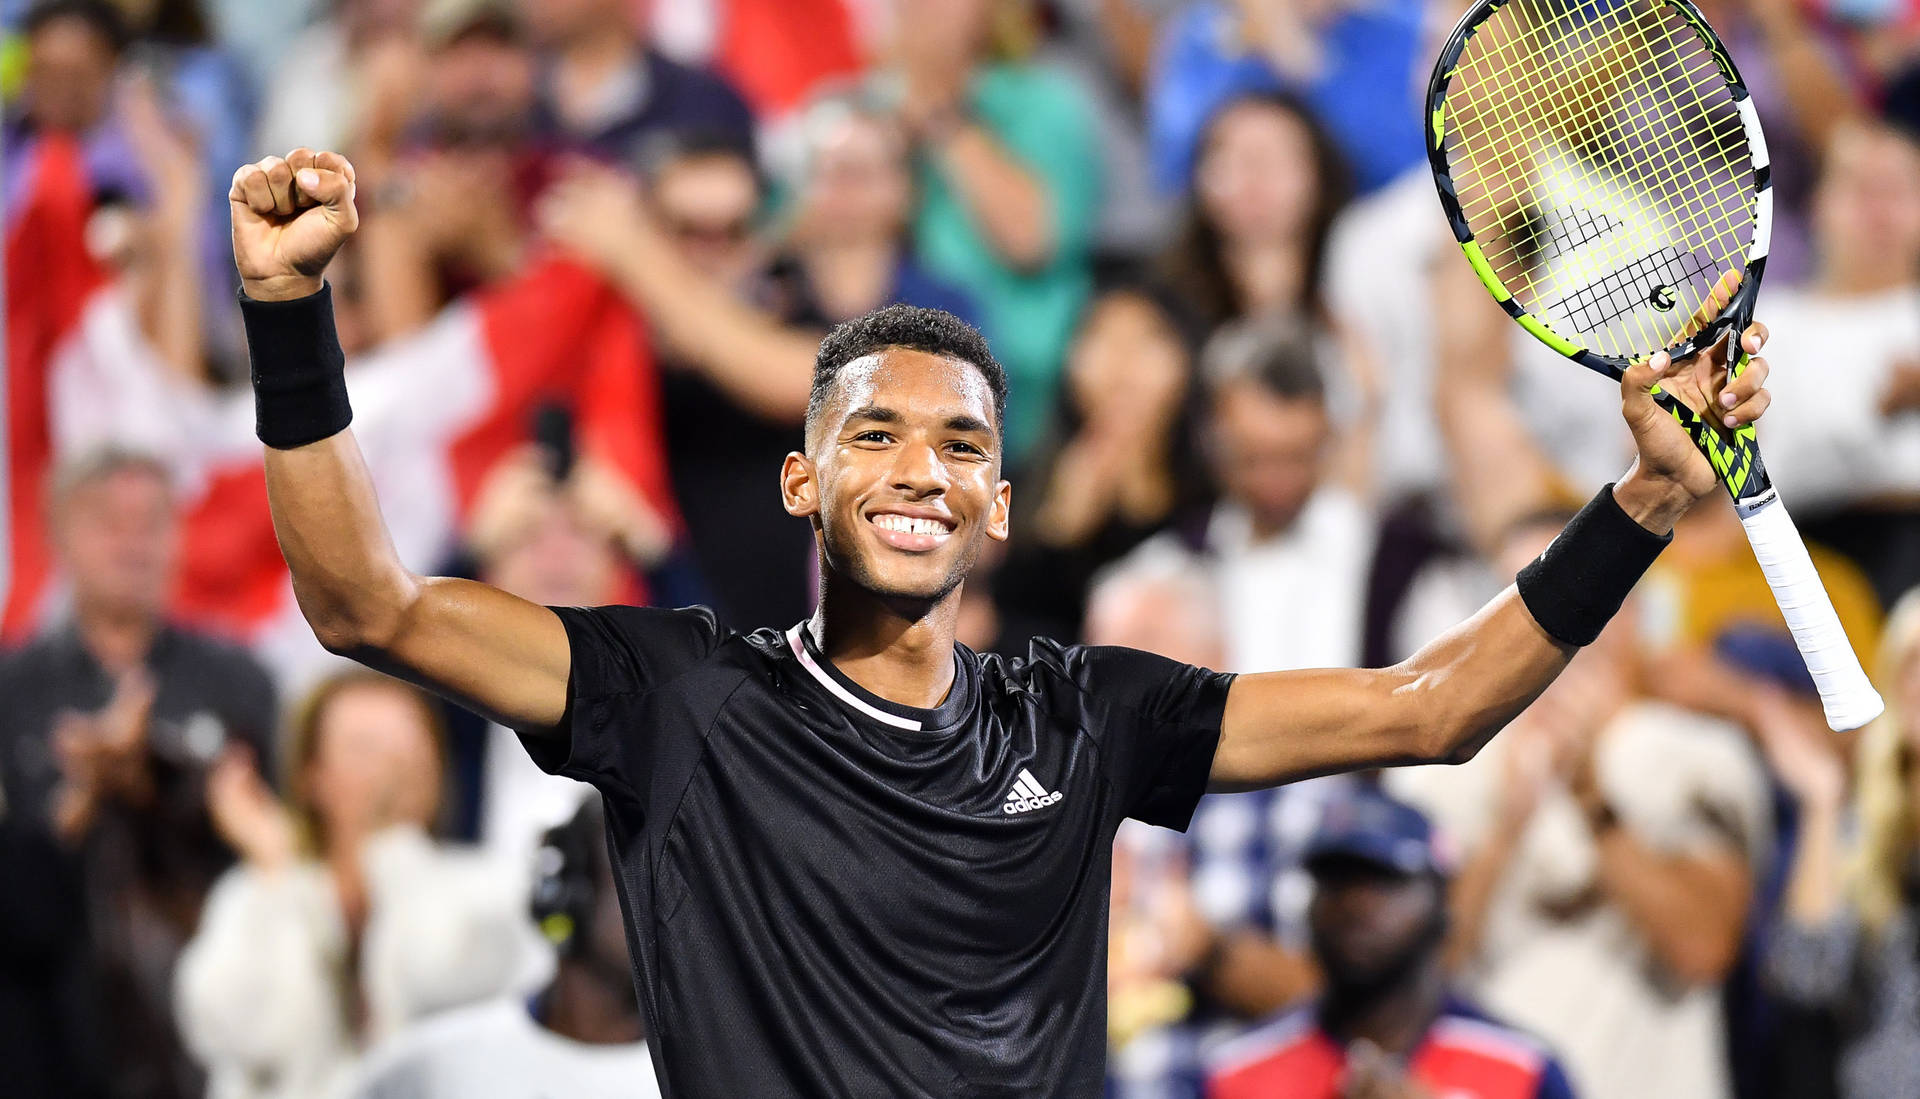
(290, 215)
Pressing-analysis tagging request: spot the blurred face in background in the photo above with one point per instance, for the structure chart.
(1269, 451)
(1867, 207)
(374, 763)
(1256, 180)
(557, 560)
(557, 23)
(69, 79)
(118, 536)
(480, 88)
(1371, 925)
(1128, 359)
(858, 186)
(1176, 617)
(947, 33)
(706, 203)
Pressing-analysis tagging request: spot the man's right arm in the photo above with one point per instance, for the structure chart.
(493, 652)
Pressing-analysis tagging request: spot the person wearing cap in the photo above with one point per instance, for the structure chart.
(1387, 1025)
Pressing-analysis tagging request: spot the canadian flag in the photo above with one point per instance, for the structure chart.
(432, 413)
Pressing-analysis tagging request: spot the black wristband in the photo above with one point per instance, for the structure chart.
(299, 371)
(1578, 583)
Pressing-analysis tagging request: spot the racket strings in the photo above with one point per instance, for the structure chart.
(1579, 113)
(1613, 85)
(1584, 110)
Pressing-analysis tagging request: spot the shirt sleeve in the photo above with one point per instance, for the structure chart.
(1157, 722)
(619, 654)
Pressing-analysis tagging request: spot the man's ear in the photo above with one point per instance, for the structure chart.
(799, 487)
(999, 519)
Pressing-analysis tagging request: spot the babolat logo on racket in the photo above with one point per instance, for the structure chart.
(1663, 297)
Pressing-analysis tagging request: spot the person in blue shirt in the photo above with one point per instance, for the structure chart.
(1357, 63)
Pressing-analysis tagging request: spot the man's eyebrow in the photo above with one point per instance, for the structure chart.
(874, 413)
(964, 422)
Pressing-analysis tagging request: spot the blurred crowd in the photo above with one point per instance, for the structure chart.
(1262, 417)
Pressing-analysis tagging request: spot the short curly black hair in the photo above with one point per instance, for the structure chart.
(934, 331)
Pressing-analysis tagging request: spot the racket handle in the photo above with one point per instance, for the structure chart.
(1845, 693)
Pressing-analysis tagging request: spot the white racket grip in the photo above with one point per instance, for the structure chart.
(1845, 692)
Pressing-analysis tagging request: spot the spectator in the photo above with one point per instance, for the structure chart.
(1280, 537)
(735, 372)
(450, 167)
(1356, 64)
(1848, 942)
(71, 51)
(1208, 928)
(1267, 185)
(605, 89)
(1797, 69)
(1612, 845)
(1120, 463)
(335, 74)
(344, 922)
(854, 199)
(1388, 1026)
(1283, 534)
(562, 532)
(1846, 452)
(1010, 175)
(1254, 244)
(110, 723)
(580, 1036)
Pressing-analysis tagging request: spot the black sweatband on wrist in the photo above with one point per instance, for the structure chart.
(1575, 587)
(299, 371)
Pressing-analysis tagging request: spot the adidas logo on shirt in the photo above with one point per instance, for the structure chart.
(1027, 794)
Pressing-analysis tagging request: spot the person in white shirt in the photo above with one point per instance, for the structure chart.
(1611, 847)
(582, 1037)
(344, 921)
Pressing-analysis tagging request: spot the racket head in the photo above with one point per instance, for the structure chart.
(1603, 169)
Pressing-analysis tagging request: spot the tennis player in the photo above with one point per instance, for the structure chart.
(856, 858)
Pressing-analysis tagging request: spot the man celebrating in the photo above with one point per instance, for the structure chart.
(1387, 1027)
(858, 858)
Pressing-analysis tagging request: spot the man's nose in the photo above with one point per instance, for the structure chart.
(917, 469)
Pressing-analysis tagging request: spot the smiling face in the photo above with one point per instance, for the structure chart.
(902, 475)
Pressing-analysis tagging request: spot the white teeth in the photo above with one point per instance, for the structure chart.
(909, 525)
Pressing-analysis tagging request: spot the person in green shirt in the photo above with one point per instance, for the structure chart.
(1010, 169)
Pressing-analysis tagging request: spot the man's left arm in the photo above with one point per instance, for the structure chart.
(1447, 700)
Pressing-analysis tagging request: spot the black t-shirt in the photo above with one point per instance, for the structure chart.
(828, 894)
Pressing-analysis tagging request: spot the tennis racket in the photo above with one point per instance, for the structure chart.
(1602, 166)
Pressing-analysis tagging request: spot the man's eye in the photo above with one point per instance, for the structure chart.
(967, 448)
(871, 437)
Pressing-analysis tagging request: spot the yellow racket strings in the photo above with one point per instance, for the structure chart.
(1566, 75)
(1534, 75)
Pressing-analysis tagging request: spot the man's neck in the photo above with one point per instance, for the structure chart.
(850, 277)
(118, 639)
(1395, 1019)
(902, 653)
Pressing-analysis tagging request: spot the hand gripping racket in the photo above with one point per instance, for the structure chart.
(1603, 169)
